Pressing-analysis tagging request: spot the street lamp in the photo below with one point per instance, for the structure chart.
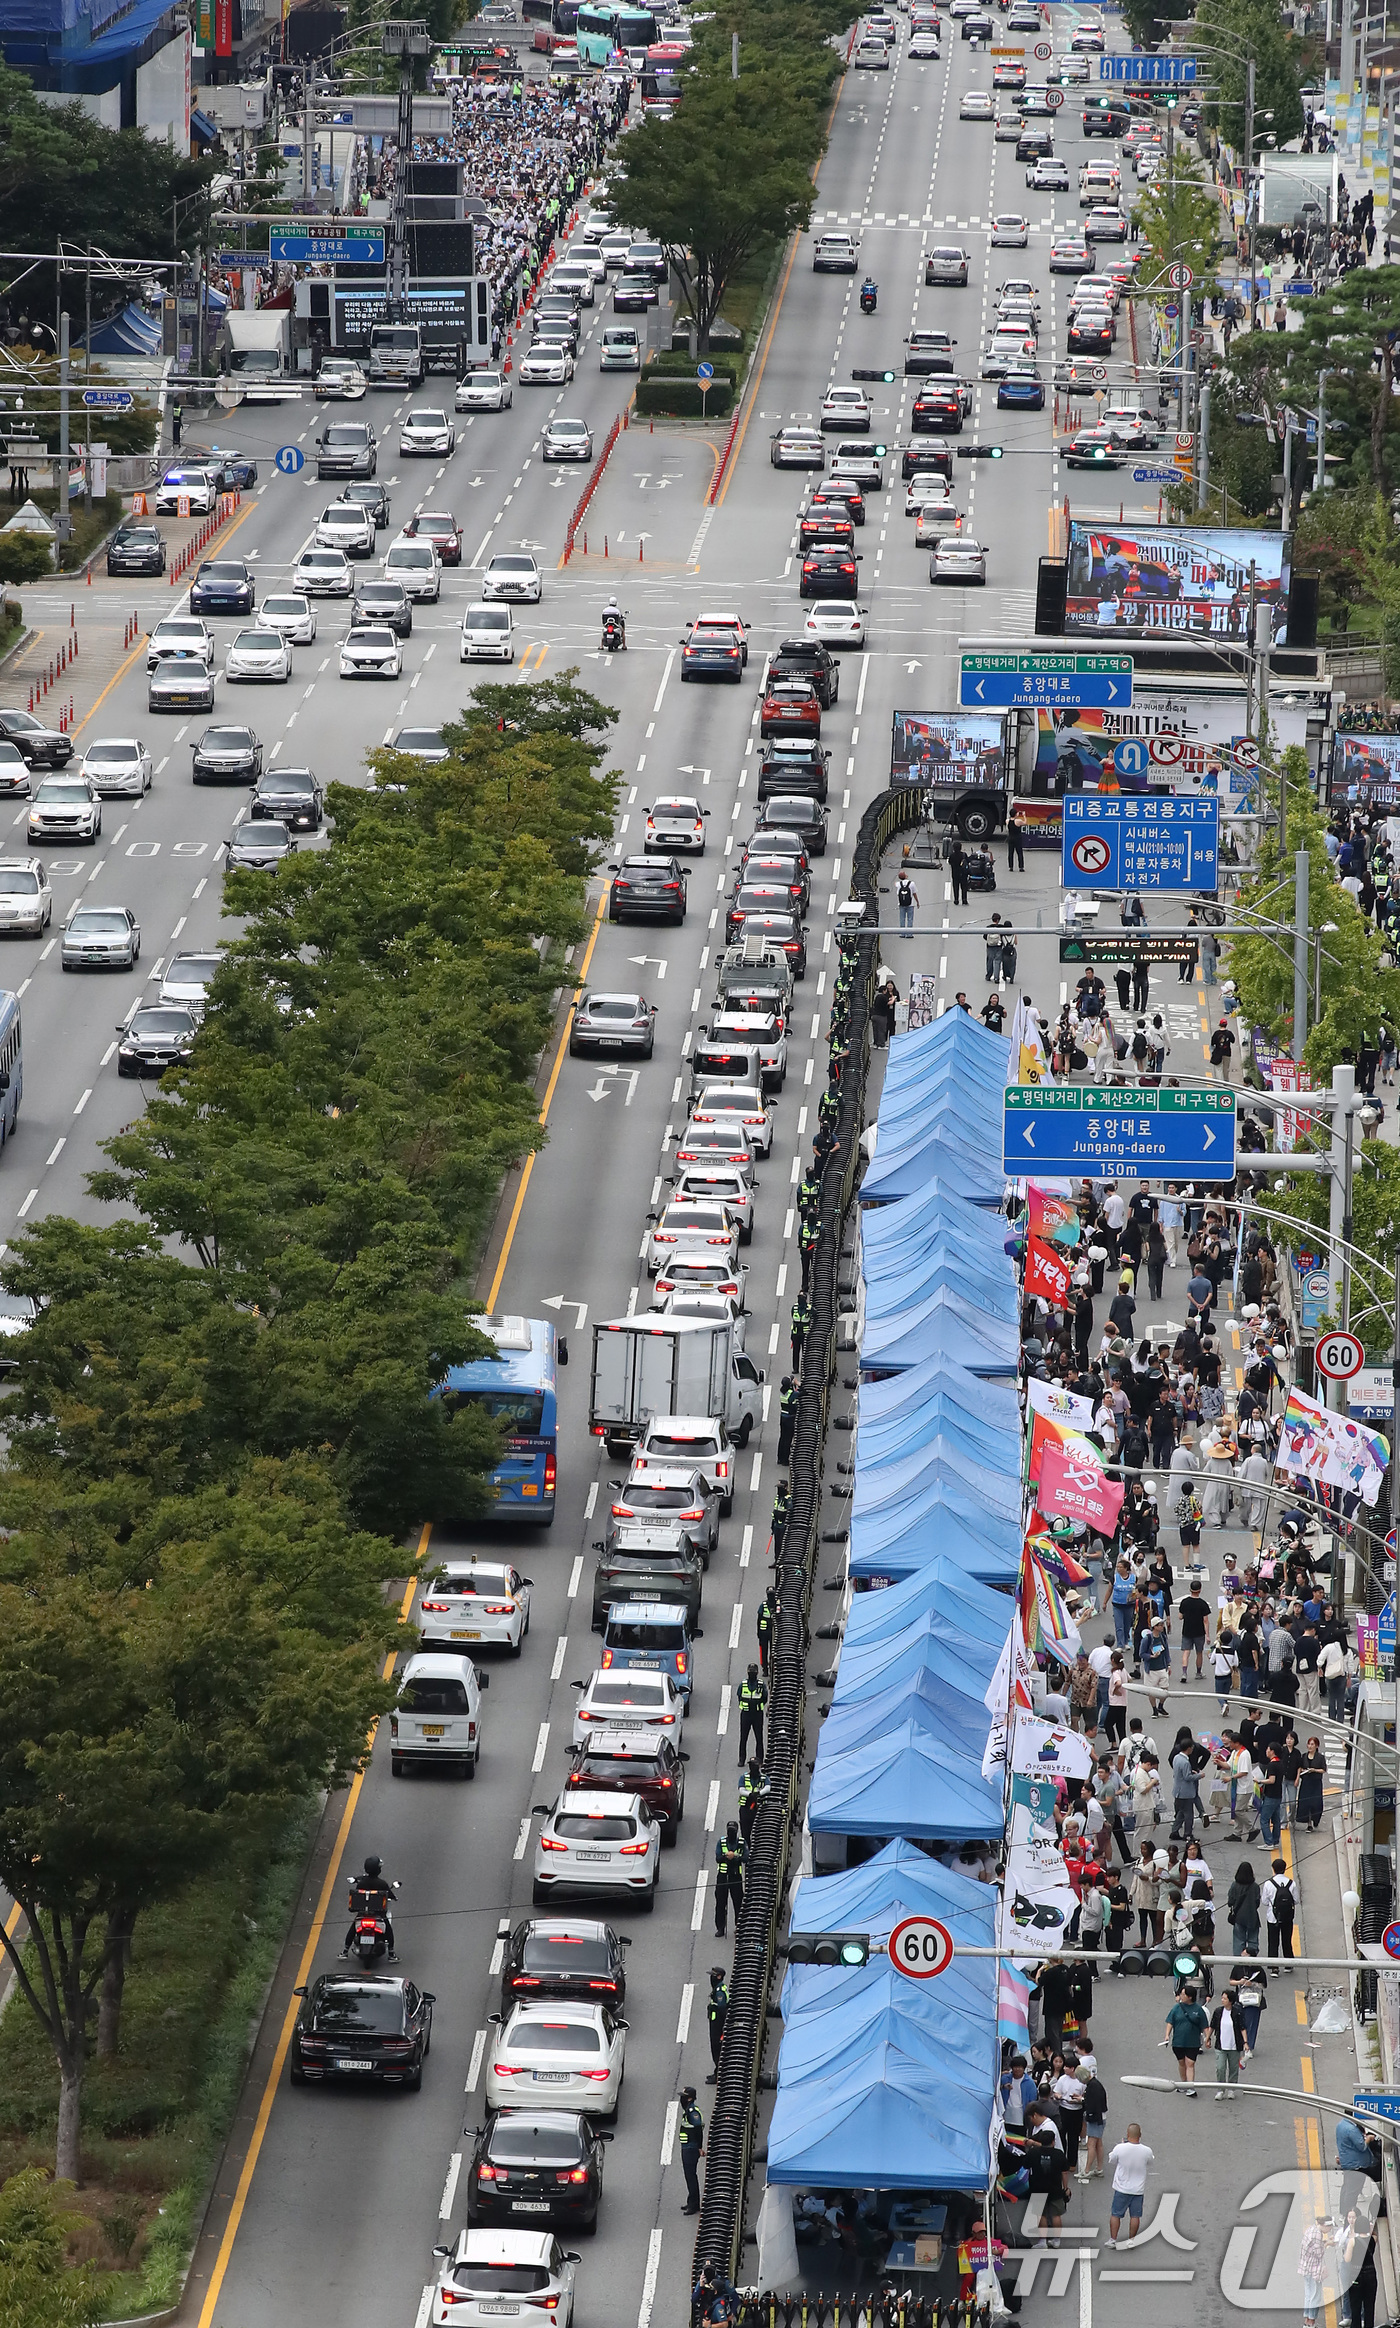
(1385, 2127)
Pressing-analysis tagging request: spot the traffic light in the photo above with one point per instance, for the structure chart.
(978, 452)
(863, 372)
(833, 1949)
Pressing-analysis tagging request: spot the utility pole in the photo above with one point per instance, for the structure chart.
(1320, 475)
(1250, 205)
(1302, 867)
(65, 522)
(1339, 1200)
(1203, 448)
(1287, 469)
(407, 39)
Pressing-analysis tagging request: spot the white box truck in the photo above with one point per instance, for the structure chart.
(659, 1365)
(259, 348)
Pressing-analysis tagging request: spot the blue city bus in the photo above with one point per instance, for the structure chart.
(518, 1390)
(603, 30)
(11, 1065)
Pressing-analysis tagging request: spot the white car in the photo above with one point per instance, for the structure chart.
(591, 256)
(619, 350)
(737, 1103)
(438, 1716)
(676, 826)
(513, 574)
(341, 377)
(323, 574)
(612, 250)
(924, 489)
(627, 1701)
(692, 1224)
(1010, 228)
(872, 56)
(488, 635)
(259, 653)
(195, 487)
(483, 392)
(291, 614)
(475, 1600)
(26, 900)
(427, 430)
(371, 650)
(958, 558)
(517, 2273)
(697, 1440)
(65, 808)
(977, 106)
(562, 2049)
(837, 622)
(548, 364)
(567, 440)
(417, 566)
(924, 49)
(187, 980)
(846, 408)
(118, 767)
(180, 634)
(595, 1842)
(345, 526)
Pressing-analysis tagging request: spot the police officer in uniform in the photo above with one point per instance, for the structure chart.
(801, 1325)
(787, 1418)
(782, 1505)
(752, 1789)
(691, 2128)
(766, 1622)
(716, 2011)
(177, 421)
(730, 1858)
(753, 1697)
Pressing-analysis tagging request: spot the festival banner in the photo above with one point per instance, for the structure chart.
(1047, 1749)
(1031, 1809)
(1332, 1449)
(1046, 1432)
(1037, 1900)
(1008, 1695)
(1075, 1489)
(1047, 1274)
(1059, 1405)
(1048, 1623)
(1052, 1218)
(1054, 1557)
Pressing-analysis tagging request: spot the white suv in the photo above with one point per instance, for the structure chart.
(438, 1716)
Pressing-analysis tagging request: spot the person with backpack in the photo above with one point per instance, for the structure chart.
(906, 897)
(1140, 1051)
(1280, 1903)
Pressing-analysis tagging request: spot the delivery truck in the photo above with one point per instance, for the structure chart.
(655, 1364)
(256, 352)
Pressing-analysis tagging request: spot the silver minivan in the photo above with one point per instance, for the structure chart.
(438, 1716)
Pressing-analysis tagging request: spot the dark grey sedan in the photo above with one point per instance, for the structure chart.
(292, 796)
(385, 602)
(227, 755)
(622, 1023)
(259, 846)
(155, 1038)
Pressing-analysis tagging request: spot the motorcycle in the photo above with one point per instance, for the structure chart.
(614, 634)
(869, 294)
(369, 1924)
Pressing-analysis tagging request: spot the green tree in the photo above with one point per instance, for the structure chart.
(62, 173)
(1178, 221)
(36, 2288)
(1350, 332)
(24, 557)
(1226, 33)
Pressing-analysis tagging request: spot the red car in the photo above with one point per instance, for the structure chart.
(435, 525)
(790, 708)
(633, 1762)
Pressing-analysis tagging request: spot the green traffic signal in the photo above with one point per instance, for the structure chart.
(829, 1948)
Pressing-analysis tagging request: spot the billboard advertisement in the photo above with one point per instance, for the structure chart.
(1365, 768)
(1138, 579)
(949, 748)
(1168, 742)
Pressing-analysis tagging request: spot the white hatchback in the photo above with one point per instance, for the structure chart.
(598, 1842)
(563, 2052)
(484, 1601)
(488, 635)
(523, 2275)
(627, 1701)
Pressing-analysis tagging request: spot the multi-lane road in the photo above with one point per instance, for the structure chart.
(332, 2202)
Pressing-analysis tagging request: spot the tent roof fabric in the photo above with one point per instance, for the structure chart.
(902, 1782)
(941, 1589)
(883, 2123)
(941, 1320)
(900, 1880)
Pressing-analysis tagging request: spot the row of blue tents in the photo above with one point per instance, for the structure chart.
(885, 2082)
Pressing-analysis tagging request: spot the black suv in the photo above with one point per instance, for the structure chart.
(795, 813)
(371, 497)
(292, 795)
(227, 755)
(222, 586)
(346, 448)
(368, 2030)
(38, 746)
(647, 885)
(808, 659)
(793, 765)
(136, 549)
(533, 2165)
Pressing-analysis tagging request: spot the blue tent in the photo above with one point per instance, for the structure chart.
(942, 1593)
(903, 1782)
(982, 1057)
(942, 1522)
(922, 1697)
(894, 1479)
(132, 333)
(909, 1160)
(935, 1211)
(941, 1321)
(962, 1664)
(999, 1449)
(821, 2038)
(883, 2123)
(945, 1089)
(899, 1881)
(891, 1289)
(887, 1409)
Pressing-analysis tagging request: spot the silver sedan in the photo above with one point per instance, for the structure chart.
(958, 558)
(100, 937)
(259, 653)
(290, 613)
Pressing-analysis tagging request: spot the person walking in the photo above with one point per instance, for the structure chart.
(731, 1857)
(1142, 1893)
(1130, 2160)
(716, 2013)
(1052, 1986)
(1185, 1796)
(1312, 2263)
(1187, 2024)
(1121, 1598)
(753, 1698)
(1015, 851)
(690, 2127)
(1250, 1983)
(1312, 1773)
(1225, 2034)
(1243, 1906)
(1279, 1899)
(906, 898)
(1356, 2250)
(1271, 1800)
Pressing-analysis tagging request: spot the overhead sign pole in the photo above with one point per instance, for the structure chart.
(1118, 1131)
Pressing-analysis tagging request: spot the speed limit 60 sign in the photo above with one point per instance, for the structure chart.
(1339, 1356)
(921, 1947)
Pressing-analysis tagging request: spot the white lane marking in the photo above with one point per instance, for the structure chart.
(48, 949)
(198, 890)
(83, 1102)
(498, 1957)
(683, 2020)
(736, 1624)
(668, 2138)
(593, 1491)
(541, 1743)
(522, 1838)
(177, 929)
(108, 1054)
(425, 2305)
(758, 1459)
(697, 1913)
(57, 1151)
(670, 659)
(748, 1532)
(577, 1570)
(561, 1651)
(449, 2188)
(723, 1723)
(27, 1202)
(478, 2054)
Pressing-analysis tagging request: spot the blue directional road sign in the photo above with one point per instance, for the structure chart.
(704, 371)
(1157, 476)
(241, 258)
(1045, 681)
(328, 250)
(1056, 1128)
(289, 458)
(1385, 1632)
(1379, 2101)
(1144, 65)
(1114, 843)
(107, 399)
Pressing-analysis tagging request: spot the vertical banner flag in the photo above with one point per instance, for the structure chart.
(1047, 1273)
(1076, 1489)
(1052, 1217)
(1314, 1443)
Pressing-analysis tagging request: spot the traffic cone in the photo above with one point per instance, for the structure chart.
(605, 545)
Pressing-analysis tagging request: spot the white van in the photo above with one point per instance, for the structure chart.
(438, 1716)
(488, 635)
(621, 350)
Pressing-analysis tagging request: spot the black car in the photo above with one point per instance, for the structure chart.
(292, 794)
(41, 747)
(227, 755)
(222, 586)
(926, 461)
(795, 813)
(755, 898)
(371, 497)
(647, 885)
(136, 549)
(937, 411)
(564, 1956)
(829, 573)
(386, 602)
(762, 864)
(792, 764)
(640, 1762)
(366, 2030)
(1034, 145)
(634, 294)
(537, 2166)
(155, 1038)
(808, 659)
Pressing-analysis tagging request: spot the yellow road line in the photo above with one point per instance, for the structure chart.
(308, 1958)
(559, 1058)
